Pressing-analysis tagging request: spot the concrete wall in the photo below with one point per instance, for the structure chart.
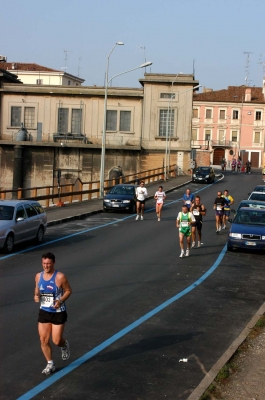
(41, 163)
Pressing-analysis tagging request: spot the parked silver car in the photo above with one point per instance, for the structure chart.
(21, 220)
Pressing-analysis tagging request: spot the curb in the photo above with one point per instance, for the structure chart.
(87, 214)
(211, 375)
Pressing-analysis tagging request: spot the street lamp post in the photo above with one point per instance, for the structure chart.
(168, 138)
(102, 166)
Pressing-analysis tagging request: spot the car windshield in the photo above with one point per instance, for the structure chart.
(127, 190)
(250, 217)
(203, 169)
(257, 196)
(6, 213)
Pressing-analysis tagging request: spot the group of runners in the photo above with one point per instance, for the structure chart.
(52, 288)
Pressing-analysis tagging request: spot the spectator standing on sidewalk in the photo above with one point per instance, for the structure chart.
(141, 194)
(183, 222)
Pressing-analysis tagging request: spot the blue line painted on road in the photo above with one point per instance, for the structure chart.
(77, 363)
(94, 228)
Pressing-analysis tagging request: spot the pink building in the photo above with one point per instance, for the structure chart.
(230, 123)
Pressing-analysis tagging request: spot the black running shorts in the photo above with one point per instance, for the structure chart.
(55, 318)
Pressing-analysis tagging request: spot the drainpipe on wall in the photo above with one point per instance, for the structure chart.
(18, 169)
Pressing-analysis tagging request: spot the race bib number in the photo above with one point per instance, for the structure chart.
(187, 201)
(47, 300)
(219, 208)
(184, 224)
(196, 212)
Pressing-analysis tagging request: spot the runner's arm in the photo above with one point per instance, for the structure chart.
(37, 290)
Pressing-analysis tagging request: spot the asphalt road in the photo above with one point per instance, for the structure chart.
(121, 270)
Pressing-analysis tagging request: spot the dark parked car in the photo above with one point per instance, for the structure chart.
(203, 174)
(260, 196)
(120, 198)
(21, 220)
(247, 230)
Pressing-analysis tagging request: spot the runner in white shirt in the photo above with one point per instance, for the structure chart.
(141, 194)
(160, 197)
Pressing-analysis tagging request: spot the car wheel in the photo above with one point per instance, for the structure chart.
(229, 248)
(9, 243)
(40, 235)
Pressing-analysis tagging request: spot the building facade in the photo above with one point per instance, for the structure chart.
(35, 74)
(146, 128)
(230, 123)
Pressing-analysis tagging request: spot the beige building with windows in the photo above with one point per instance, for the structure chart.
(35, 74)
(145, 126)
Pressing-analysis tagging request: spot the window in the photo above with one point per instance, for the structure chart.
(207, 134)
(30, 210)
(29, 117)
(111, 120)
(221, 135)
(194, 134)
(63, 120)
(208, 114)
(222, 114)
(234, 136)
(15, 116)
(20, 212)
(76, 123)
(258, 116)
(39, 81)
(125, 121)
(166, 95)
(195, 113)
(256, 137)
(235, 114)
(166, 122)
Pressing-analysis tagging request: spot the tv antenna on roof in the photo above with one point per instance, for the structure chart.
(262, 61)
(247, 66)
(142, 48)
(78, 69)
(66, 57)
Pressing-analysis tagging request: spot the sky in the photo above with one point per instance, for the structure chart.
(216, 37)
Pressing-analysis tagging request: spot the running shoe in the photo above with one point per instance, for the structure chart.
(199, 244)
(219, 228)
(50, 367)
(137, 217)
(158, 219)
(193, 244)
(187, 253)
(142, 217)
(224, 227)
(217, 231)
(65, 351)
(182, 254)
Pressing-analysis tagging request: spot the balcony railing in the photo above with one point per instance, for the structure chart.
(222, 143)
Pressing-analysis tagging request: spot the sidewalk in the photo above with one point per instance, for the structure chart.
(80, 210)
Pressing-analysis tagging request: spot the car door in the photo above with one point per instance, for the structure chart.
(32, 221)
(20, 226)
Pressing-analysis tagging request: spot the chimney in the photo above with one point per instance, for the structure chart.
(248, 94)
